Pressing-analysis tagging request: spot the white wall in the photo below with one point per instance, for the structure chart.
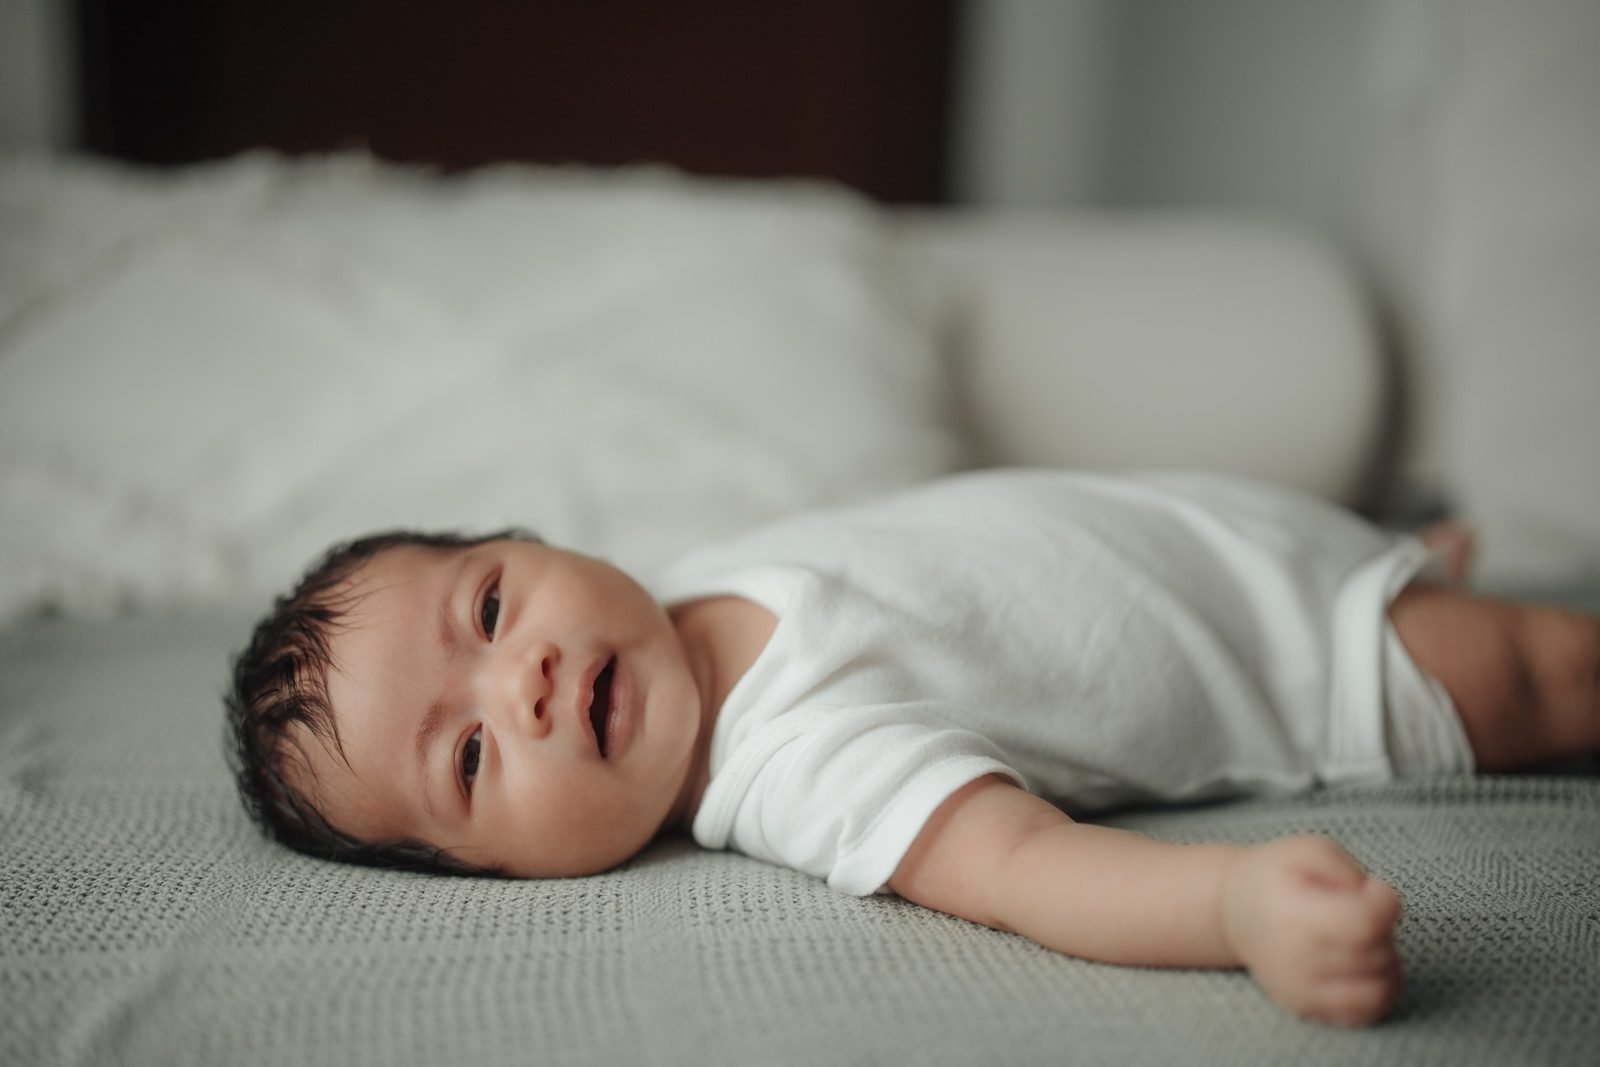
(36, 76)
(1237, 102)
(1030, 108)
(1248, 103)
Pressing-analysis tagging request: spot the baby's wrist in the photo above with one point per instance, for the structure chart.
(1235, 901)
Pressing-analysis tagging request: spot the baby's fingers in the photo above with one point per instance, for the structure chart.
(1361, 1000)
(1356, 960)
(1362, 918)
(1382, 901)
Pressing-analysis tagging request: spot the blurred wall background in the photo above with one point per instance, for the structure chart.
(1058, 103)
(1450, 148)
(37, 101)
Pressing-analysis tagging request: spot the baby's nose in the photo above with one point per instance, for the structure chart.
(515, 687)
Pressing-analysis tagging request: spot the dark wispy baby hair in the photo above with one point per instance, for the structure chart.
(279, 697)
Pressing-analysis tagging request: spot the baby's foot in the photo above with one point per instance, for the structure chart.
(1455, 544)
(1316, 933)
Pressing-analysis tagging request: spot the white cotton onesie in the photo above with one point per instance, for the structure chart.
(1099, 640)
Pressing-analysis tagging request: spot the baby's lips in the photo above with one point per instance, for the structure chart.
(583, 700)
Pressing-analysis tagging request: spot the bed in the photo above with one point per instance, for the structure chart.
(320, 300)
(208, 373)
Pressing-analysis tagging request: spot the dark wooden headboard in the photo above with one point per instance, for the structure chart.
(855, 90)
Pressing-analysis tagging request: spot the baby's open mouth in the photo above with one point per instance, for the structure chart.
(600, 706)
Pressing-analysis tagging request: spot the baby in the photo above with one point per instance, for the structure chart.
(912, 696)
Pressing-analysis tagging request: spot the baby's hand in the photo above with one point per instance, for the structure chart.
(1314, 930)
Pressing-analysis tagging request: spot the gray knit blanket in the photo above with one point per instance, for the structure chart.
(142, 920)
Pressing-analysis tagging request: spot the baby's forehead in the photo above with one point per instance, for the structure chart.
(383, 592)
(380, 661)
(375, 609)
(393, 578)
(408, 559)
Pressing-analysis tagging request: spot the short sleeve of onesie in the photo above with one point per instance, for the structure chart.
(831, 771)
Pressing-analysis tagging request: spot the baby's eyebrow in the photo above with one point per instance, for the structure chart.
(432, 723)
(447, 622)
(447, 602)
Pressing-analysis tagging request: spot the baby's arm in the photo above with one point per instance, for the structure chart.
(1313, 929)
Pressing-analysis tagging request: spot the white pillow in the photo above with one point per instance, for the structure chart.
(207, 378)
(1159, 339)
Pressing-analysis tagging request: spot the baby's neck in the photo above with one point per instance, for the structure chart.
(722, 636)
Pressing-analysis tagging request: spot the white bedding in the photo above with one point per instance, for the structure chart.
(207, 378)
(144, 921)
(204, 376)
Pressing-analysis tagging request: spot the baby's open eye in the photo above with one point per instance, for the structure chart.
(469, 758)
(489, 613)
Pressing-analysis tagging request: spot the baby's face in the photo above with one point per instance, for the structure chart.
(517, 705)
